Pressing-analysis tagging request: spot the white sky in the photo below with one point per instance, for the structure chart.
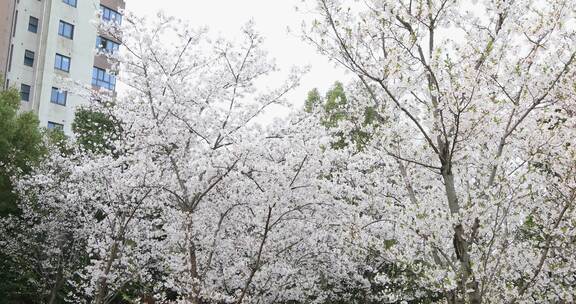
(272, 20)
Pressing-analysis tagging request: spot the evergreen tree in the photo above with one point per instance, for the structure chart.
(20, 146)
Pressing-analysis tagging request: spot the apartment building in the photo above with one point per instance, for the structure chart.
(46, 43)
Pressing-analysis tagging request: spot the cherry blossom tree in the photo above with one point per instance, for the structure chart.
(41, 239)
(190, 108)
(445, 173)
(470, 175)
(188, 186)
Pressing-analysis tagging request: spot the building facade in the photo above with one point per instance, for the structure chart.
(45, 44)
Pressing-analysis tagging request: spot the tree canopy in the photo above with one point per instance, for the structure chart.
(444, 172)
(21, 146)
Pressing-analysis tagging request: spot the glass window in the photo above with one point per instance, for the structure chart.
(70, 2)
(25, 92)
(102, 79)
(66, 29)
(106, 45)
(28, 58)
(109, 14)
(58, 97)
(62, 63)
(10, 57)
(13, 31)
(55, 126)
(33, 24)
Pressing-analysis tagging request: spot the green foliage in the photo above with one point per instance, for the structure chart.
(21, 146)
(335, 110)
(94, 130)
(312, 101)
(16, 282)
(335, 106)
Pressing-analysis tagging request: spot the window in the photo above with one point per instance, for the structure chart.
(70, 2)
(55, 126)
(58, 97)
(66, 29)
(102, 79)
(33, 25)
(28, 58)
(10, 57)
(15, 23)
(25, 92)
(109, 14)
(106, 45)
(62, 63)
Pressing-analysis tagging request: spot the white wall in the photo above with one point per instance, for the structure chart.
(80, 49)
(45, 44)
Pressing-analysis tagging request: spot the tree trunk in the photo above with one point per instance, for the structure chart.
(102, 285)
(461, 247)
(193, 270)
(57, 285)
(62, 260)
(258, 257)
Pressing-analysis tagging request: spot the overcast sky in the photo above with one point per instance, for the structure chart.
(272, 19)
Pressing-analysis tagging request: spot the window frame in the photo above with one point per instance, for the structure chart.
(62, 26)
(61, 96)
(73, 4)
(62, 57)
(55, 126)
(26, 92)
(102, 44)
(107, 81)
(29, 61)
(113, 15)
(34, 26)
